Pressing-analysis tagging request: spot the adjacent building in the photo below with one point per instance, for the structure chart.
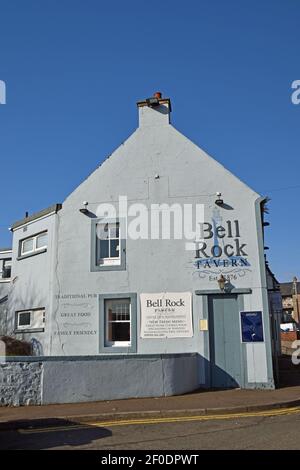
(5, 278)
(159, 251)
(290, 292)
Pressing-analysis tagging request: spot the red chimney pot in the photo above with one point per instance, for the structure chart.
(157, 95)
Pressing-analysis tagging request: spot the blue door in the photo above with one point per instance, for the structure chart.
(225, 343)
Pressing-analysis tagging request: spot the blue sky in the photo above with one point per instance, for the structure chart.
(74, 70)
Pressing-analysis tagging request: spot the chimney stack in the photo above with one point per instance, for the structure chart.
(154, 111)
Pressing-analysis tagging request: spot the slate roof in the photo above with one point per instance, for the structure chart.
(286, 288)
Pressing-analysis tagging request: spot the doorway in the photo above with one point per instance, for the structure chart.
(225, 342)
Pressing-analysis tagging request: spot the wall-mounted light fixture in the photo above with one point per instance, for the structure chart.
(219, 201)
(84, 209)
(222, 282)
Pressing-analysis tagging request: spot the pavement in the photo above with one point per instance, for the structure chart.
(200, 402)
(197, 403)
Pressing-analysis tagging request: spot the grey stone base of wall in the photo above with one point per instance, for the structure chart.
(46, 380)
(20, 383)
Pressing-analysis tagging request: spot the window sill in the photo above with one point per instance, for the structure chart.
(108, 267)
(19, 258)
(118, 349)
(109, 263)
(5, 280)
(30, 330)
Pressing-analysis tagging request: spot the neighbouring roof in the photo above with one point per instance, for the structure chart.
(2, 250)
(276, 282)
(37, 215)
(286, 288)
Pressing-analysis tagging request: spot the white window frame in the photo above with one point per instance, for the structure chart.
(107, 322)
(110, 260)
(30, 325)
(34, 249)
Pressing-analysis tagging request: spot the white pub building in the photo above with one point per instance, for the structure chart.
(155, 261)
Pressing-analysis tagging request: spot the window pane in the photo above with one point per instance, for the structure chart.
(120, 331)
(114, 230)
(102, 231)
(41, 240)
(27, 245)
(104, 249)
(37, 318)
(114, 249)
(24, 319)
(117, 320)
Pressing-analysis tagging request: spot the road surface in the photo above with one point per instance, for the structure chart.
(278, 429)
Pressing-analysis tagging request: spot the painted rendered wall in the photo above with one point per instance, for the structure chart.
(43, 381)
(31, 284)
(4, 288)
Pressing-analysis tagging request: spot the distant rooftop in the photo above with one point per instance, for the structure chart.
(286, 288)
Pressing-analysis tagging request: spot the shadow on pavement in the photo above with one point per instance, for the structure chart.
(49, 434)
(289, 373)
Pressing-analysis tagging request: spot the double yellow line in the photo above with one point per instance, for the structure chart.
(178, 419)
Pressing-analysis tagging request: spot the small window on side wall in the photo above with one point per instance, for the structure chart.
(30, 320)
(24, 320)
(34, 244)
(118, 322)
(107, 245)
(5, 268)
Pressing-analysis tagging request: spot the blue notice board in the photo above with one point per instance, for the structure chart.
(252, 327)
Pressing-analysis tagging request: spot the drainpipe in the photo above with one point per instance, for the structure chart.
(296, 305)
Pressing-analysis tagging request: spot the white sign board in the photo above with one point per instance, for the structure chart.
(166, 315)
(287, 326)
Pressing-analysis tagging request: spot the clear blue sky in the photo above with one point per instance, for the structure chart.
(74, 70)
